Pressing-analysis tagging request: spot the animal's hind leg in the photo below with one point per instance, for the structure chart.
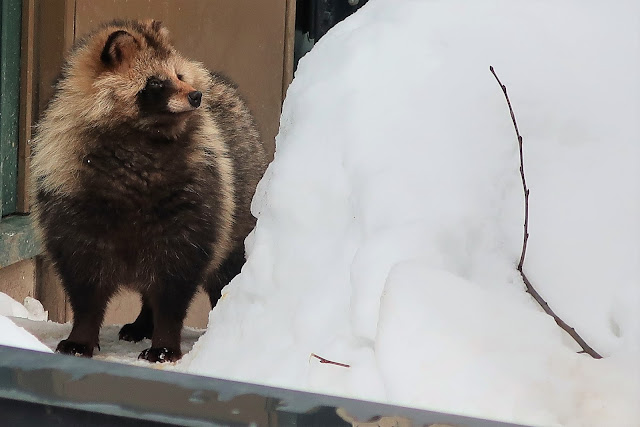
(218, 279)
(142, 327)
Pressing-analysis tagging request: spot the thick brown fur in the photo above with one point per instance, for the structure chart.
(144, 166)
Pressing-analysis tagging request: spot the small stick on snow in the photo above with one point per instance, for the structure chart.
(323, 360)
(530, 289)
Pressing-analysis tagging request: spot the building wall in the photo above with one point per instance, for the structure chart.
(18, 280)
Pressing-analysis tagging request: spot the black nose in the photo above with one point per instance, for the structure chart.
(194, 98)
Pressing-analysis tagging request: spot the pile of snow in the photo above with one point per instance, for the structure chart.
(31, 309)
(13, 335)
(390, 222)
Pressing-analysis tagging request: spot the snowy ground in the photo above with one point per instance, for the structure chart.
(27, 327)
(111, 349)
(390, 222)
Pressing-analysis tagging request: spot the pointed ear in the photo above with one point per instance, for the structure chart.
(120, 49)
(158, 28)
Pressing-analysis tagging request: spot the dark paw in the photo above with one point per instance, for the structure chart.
(74, 348)
(160, 354)
(134, 333)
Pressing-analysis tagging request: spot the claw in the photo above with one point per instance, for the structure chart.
(75, 349)
(160, 354)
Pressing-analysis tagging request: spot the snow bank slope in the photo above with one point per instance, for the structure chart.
(390, 222)
(32, 308)
(14, 336)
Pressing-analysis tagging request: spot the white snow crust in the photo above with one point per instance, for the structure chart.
(31, 309)
(13, 335)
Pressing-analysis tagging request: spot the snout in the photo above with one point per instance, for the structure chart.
(195, 98)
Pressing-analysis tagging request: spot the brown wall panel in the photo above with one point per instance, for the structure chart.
(18, 280)
(54, 27)
(50, 292)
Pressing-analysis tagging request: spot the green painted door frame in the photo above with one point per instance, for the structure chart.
(17, 240)
(10, 20)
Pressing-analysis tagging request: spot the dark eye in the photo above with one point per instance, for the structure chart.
(154, 83)
(180, 77)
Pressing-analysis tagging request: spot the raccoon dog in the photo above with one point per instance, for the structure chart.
(144, 166)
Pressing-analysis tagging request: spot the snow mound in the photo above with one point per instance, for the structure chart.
(15, 336)
(390, 222)
(32, 308)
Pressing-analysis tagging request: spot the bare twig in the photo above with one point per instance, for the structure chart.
(530, 289)
(323, 360)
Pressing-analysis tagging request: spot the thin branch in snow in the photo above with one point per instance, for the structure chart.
(525, 189)
(323, 360)
(530, 289)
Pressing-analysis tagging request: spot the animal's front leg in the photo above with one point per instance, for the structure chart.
(89, 301)
(169, 302)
